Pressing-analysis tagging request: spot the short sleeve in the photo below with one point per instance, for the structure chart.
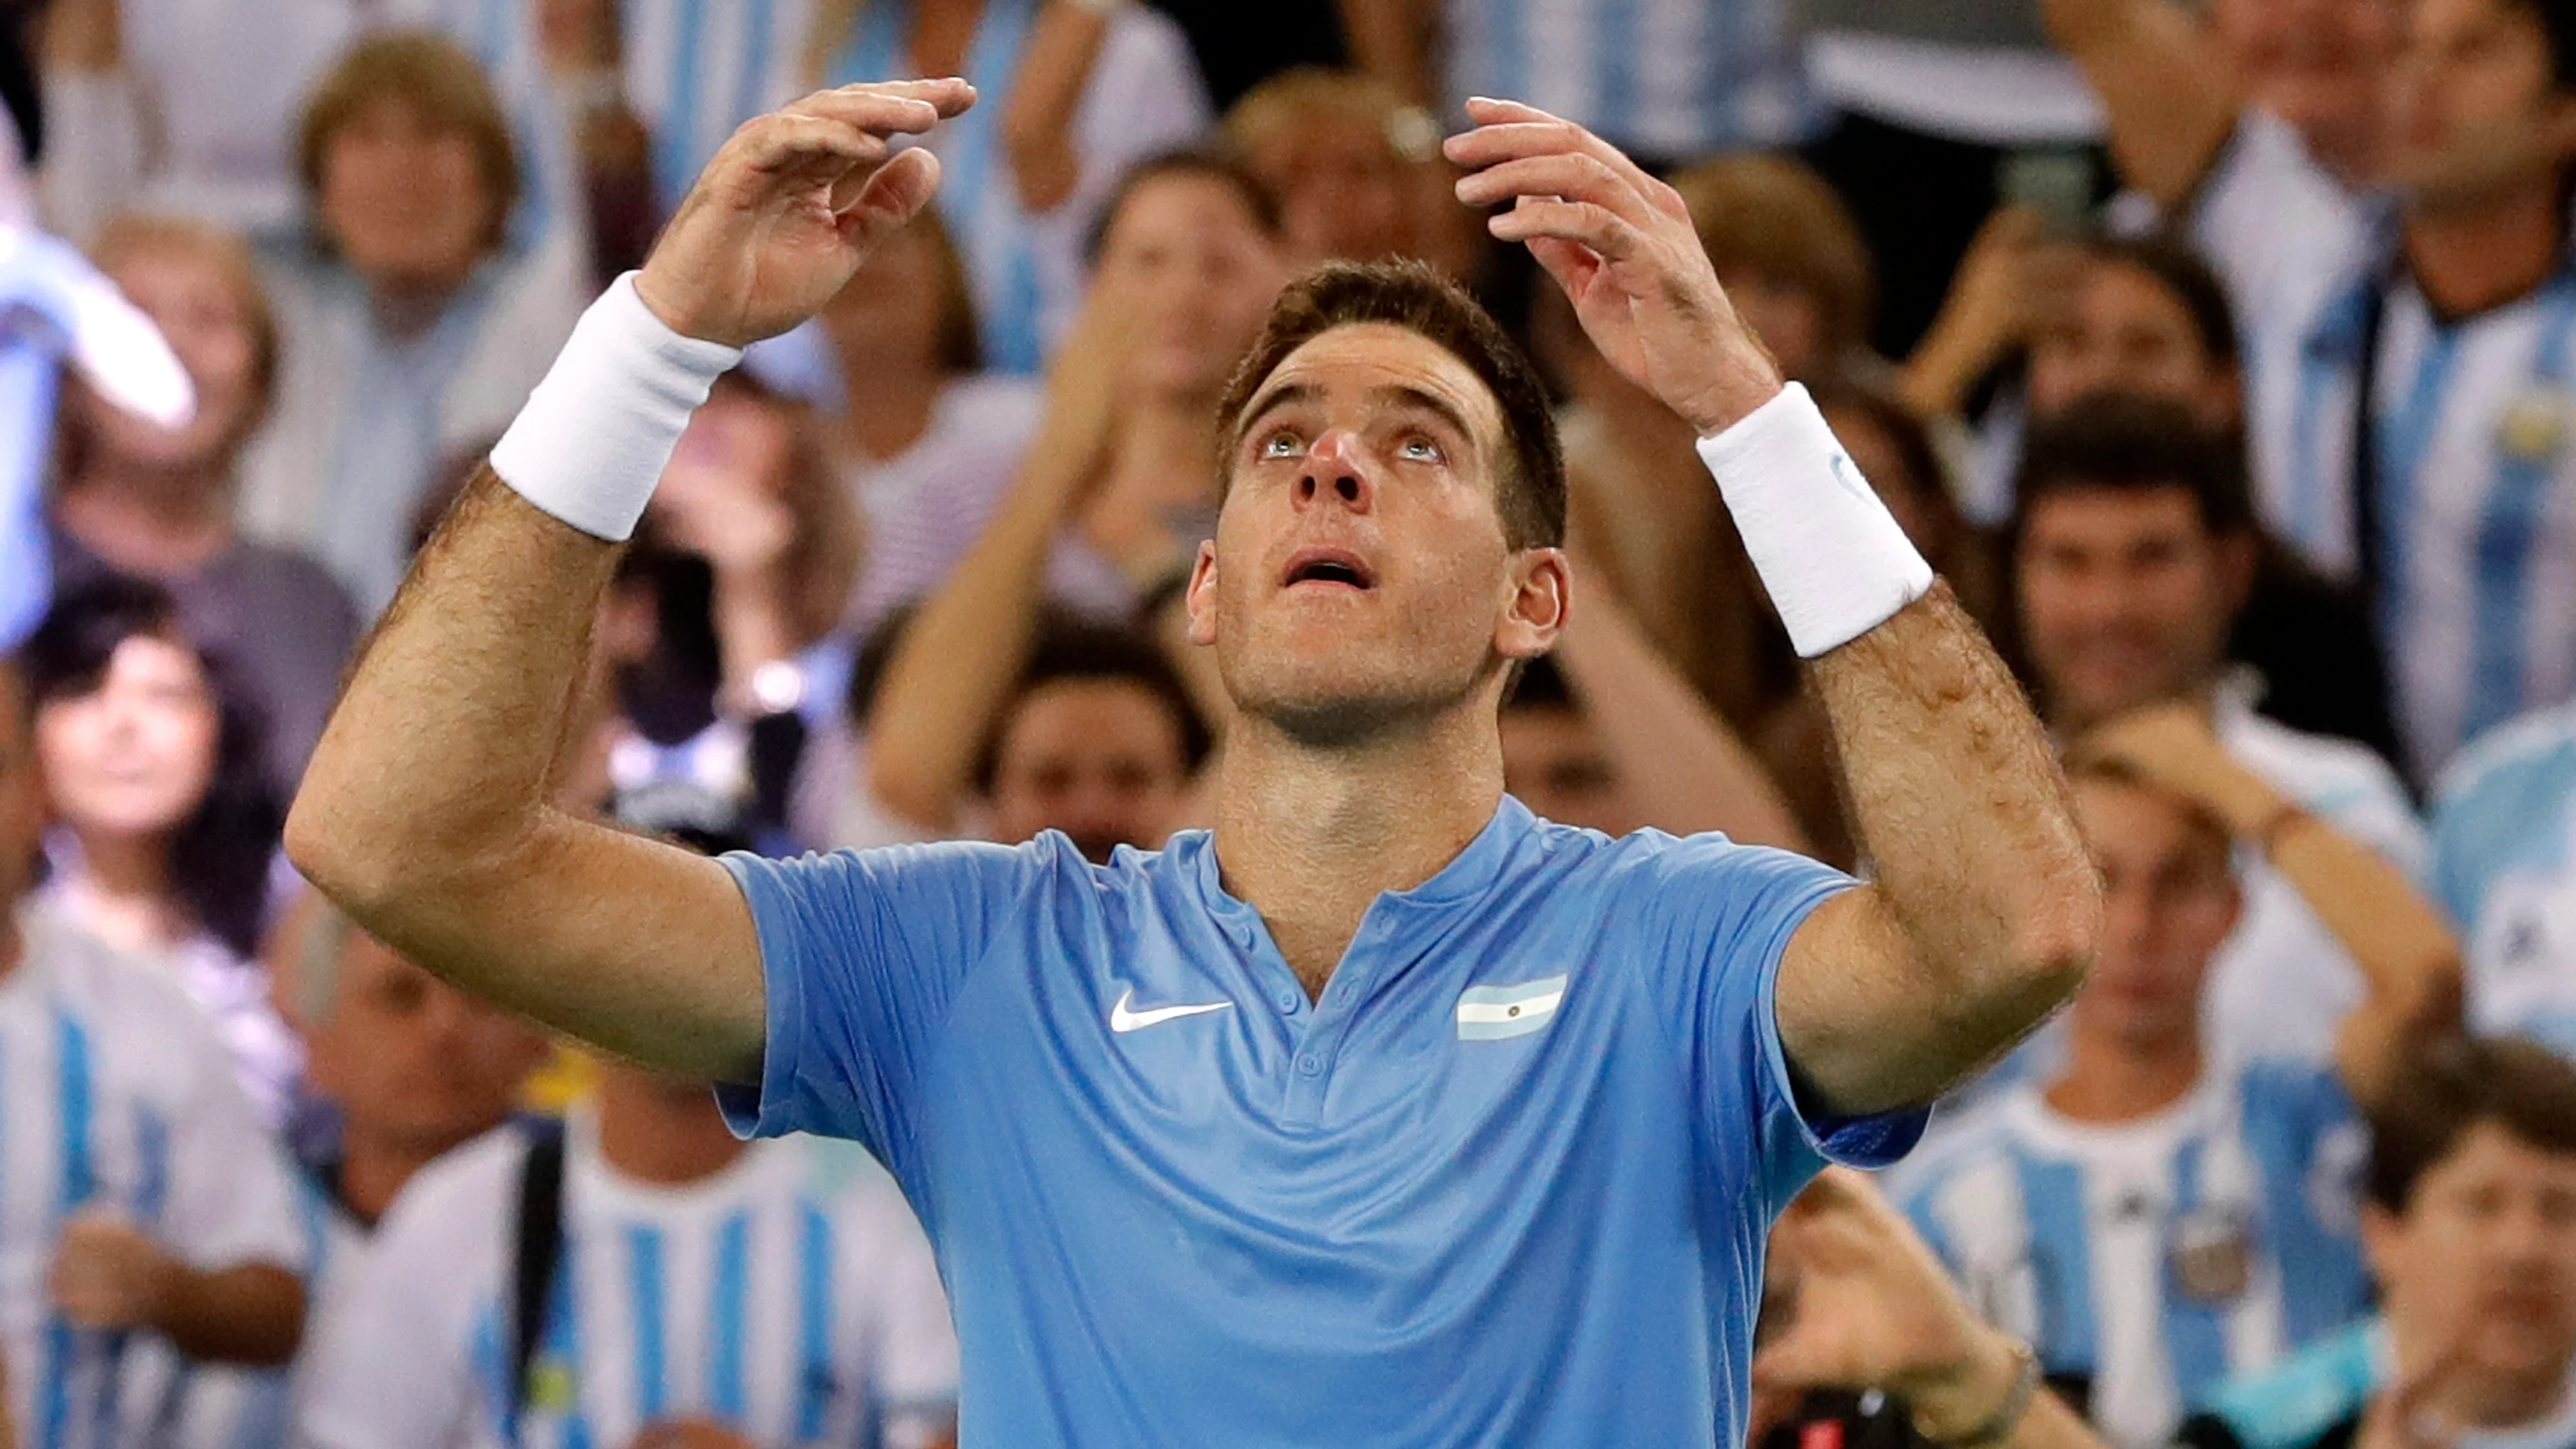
(861, 952)
(232, 1195)
(1723, 915)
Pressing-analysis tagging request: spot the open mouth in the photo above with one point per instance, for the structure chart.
(1328, 566)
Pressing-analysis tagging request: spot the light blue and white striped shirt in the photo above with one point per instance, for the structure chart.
(2474, 432)
(791, 1298)
(116, 1097)
(2158, 1257)
(697, 69)
(1027, 272)
(1669, 79)
(2504, 866)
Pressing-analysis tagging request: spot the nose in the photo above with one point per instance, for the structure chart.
(1334, 468)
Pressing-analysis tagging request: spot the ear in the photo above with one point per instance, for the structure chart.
(1542, 592)
(1201, 595)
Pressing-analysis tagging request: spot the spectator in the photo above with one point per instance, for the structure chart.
(146, 1199)
(1789, 256)
(2131, 553)
(785, 1293)
(2471, 1228)
(167, 825)
(1356, 170)
(412, 325)
(927, 437)
(2441, 333)
(159, 503)
(1664, 83)
(2500, 865)
(1039, 159)
(2149, 1181)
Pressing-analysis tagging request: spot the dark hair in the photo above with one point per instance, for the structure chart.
(2180, 271)
(1541, 686)
(219, 858)
(2558, 24)
(1529, 487)
(1069, 647)
(2125, 441)
(1194, 162)
(2444, 1091)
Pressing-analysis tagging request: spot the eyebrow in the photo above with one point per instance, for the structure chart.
(1400, 394)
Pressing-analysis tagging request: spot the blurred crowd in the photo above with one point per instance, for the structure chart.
(2220, 353)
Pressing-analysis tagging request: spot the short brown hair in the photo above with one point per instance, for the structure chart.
(430, 73)
(2443, 1092)
(1776, 215)
(1529, 487)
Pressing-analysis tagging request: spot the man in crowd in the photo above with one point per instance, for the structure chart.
(2409, 383)
(2151, 1216)
(151, 1215)
(2132, 552)
(2504, 842)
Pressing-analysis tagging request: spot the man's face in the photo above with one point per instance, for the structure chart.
(2169, 898)
(2317, 64)
(1554, 762)
(1192, 260)
(22, 791)
(403, 197)
(1359, 574)
(2474, 110)
(1099, 759)
(410, 1059)
(2126, 598)
(2121, 330)
(2482, 1263)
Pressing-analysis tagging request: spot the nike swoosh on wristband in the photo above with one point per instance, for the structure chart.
(1123, 1020)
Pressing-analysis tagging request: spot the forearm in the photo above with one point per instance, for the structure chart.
(83, 36)
(2162, 85)
(1386, 40)
(961, 656)
(1672, 752)
(253, 1314)
(1037, 130)
(1956, 798)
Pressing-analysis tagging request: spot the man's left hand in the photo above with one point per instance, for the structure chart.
(1622, 246)
(107, 1274)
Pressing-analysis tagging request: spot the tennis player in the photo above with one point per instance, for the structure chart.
(1385, 1113)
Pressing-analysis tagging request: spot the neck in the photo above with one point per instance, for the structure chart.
(1168, 441)
(2475, 253)
(650, 1133)
(122, 887)
(2112, 1080)
(375, 1165)
(885, 405)
(407, 307)
(147, 519)
(2494, 1403)
(2069, 722)
(1311, 836)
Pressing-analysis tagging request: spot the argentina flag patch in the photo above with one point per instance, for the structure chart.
(1490, 1013)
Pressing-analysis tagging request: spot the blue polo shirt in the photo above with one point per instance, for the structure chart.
(1507, 1183)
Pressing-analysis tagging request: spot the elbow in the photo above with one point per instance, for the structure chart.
(2054, 941)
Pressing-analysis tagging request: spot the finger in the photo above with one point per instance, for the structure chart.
(1511, 131)
(896, 193)
(1583, 223)
(1570, 176)
(801, 149)
(890, 106)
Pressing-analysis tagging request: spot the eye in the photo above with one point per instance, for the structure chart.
(1421, 448)
(1282, 444)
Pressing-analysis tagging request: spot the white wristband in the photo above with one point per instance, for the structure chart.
(596, 434)
(1836, 564)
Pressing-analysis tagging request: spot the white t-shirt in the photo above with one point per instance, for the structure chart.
(791, 1296)
(117, 1096)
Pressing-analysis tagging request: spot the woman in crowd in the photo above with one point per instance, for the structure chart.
(158, 503)
(165, 825)
(412, 324)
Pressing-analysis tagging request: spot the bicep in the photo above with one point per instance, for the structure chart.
(630, 944)
(1865, 1028)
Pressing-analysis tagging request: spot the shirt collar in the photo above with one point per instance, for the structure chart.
(1469, 874)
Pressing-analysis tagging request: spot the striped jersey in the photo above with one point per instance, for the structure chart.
(2504, 866)
(116, 1096)
(1667, 79)
(697, 69)
(2158, 1257)
(791, 1297)
(2473, 439)
(1028, 272)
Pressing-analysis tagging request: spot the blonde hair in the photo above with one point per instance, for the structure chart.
(430, 73)
(135, 234)
(1284, 100)
(1775, 215)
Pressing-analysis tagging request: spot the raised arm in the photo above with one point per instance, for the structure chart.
(1986, 907)
(2408, 957)
(425, 812)
(2162, 83)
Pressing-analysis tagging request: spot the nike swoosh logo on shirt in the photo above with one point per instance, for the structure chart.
(1123, 1020)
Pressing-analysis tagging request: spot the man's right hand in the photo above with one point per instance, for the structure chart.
(785, 213)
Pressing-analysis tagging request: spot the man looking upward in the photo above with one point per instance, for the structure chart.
(1386, 1113)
